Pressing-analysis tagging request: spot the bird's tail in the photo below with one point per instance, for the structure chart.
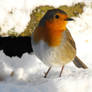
(79, 63)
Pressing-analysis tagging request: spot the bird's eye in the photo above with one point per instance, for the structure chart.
(57, 16)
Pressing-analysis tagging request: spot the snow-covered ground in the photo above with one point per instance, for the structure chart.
(25, 74)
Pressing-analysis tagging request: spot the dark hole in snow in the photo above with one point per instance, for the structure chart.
(15, 46)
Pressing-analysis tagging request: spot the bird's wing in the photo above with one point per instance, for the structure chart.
(76, 60)
(70, 39)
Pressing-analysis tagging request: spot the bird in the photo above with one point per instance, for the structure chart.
(52, 42)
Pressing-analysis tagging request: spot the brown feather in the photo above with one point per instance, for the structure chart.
(76, 60)
(79, 63)
(70, 39)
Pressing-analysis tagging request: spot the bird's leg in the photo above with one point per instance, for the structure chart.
(47, 72)
(61, 71)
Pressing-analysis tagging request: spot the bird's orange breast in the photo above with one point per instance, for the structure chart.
(52, 34)
(52, 37)
(48, 36)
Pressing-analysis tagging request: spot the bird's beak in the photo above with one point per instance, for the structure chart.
(69, 19)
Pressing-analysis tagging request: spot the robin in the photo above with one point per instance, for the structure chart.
(52, 43)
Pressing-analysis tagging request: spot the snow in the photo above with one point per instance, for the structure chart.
(25, 74)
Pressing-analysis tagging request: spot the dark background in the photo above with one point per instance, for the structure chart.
(15, 46)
